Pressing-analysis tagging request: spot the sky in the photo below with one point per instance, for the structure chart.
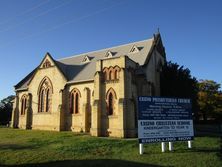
(191, 31)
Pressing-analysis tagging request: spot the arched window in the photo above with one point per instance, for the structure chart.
(74, 101)
(110, 104)
(116, 75)
(42, 97)
(22, 107)
(110, 101)
(77, 103)
(110, 75)
(47, 100)
(116, 72)
(23, 104)
(106, 74)
(71, 103)
(45, 95)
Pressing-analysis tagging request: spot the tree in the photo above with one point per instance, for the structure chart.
(210, 99)
(176, 81)
(6, 110)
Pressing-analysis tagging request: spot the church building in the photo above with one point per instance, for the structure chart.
(93, 92)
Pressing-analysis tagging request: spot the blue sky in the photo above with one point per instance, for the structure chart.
(191, 32)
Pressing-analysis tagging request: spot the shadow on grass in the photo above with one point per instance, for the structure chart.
(199, 149)
(15, 147)
(217, 151)
(88, 163)
(32, 144)
(205, 150)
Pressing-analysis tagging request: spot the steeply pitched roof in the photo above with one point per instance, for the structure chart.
(24, 82)
(75, 69)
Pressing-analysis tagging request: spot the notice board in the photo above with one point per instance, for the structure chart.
(162, 119)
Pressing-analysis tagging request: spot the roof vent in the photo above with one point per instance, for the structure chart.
(86, 59)
(109, 54)
(46, 64)
(134, 49)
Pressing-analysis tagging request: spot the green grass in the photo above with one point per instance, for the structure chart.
(44, 148)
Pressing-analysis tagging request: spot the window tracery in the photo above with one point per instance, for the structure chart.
(74, 101)
(46, 64)
(23, 104)
(111, 73)
(45, 95)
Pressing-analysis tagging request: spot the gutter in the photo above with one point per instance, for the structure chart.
(21, 89)
(80, 81)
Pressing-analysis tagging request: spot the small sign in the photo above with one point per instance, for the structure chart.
(163, 119)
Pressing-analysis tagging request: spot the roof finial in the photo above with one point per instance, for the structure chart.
(158, 30)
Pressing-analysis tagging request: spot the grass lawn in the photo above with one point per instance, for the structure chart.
(44, 148)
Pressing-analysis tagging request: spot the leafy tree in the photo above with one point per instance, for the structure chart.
(210, 99)
(176, 81)
(6, 110)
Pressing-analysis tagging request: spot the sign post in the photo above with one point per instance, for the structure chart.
(170, 146)
(163, 120)
(141, 148)
(163, 146)
(189, 144)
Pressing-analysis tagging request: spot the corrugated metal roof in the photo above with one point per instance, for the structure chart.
(76, 70)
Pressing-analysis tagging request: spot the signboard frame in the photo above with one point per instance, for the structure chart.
(157, 116)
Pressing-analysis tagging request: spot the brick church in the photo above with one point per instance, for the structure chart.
(93, 92)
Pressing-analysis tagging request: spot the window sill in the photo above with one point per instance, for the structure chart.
(112, 116)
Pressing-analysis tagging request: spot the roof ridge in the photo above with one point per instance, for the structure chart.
(81, 54)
